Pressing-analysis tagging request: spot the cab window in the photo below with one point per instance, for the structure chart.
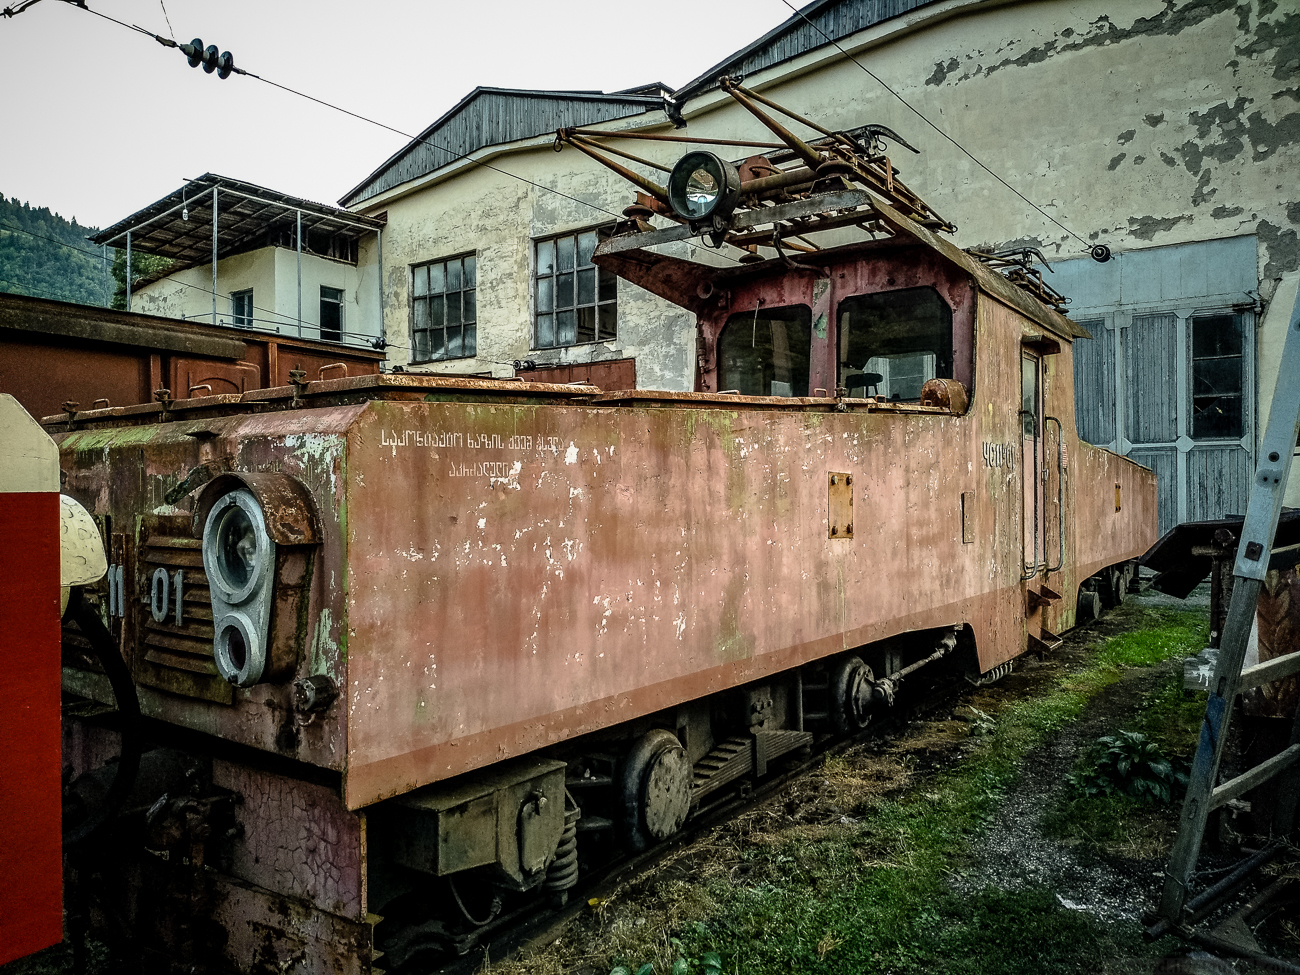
(892, 342)
(765, 352)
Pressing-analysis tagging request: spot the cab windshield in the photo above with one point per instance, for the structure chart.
(766, 352)
(892, 342)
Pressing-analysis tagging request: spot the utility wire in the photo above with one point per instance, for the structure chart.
(52, 240)
(936, 128)
(363, 118)
(56, 295)
(168, 19)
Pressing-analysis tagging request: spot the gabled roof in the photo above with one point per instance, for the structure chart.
(496, 116)
(179, 225)
(833, 19)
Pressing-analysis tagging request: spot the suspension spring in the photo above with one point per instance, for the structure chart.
(997, 673)
(563, 870)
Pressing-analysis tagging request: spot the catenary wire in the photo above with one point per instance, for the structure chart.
(932, 125)
(363, 118)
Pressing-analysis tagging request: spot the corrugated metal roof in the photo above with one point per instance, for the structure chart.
(179, 225)
(833, 19)
(495, 116)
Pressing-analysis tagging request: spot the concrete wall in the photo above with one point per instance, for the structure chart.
(496, 217)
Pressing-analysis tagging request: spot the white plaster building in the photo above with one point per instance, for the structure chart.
(282, 265)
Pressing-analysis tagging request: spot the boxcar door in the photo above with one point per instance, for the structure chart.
(1031, 422)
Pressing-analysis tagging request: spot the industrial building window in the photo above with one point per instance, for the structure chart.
(891, 342)
(241, 308)
(765, 352)
(331, 314)
(445, 309)
(1216, 377)
(576, 302)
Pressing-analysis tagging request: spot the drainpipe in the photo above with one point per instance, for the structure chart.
(128, 270)
(214, 255)
(298, 242)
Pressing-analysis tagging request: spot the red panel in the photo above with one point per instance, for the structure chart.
(31, 855)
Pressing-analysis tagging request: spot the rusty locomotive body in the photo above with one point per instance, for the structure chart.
(409, 645)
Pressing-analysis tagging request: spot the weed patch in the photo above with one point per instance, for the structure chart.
(869, 887)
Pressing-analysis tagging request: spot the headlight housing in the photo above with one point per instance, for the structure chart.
(239, 558)
(703, 187)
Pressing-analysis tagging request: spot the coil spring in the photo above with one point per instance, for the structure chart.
(997, 673)
(563, 870)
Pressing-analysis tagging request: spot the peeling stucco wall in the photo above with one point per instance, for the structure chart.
(1134, 123)
(496, 212)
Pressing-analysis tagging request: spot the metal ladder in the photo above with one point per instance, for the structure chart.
(1265, 506)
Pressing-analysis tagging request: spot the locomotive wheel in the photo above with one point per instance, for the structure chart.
(654, 789)
(1089, 606)
(850, 695)
(1114, 587)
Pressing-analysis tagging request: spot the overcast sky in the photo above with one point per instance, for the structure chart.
(97, 121)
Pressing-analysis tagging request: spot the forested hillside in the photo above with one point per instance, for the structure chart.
(35, 261)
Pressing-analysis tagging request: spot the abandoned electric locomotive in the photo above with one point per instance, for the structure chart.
(406, 646)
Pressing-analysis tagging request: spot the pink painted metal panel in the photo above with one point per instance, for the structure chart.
(121, 473)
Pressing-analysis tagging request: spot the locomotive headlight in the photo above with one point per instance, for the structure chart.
(239, 558)
(237, 551)
(702, 186)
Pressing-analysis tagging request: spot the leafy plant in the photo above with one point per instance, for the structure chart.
(1129, 764)
(709, 963)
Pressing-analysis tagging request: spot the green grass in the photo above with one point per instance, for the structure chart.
(875, 898)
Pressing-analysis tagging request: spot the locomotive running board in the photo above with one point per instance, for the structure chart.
(744, 220)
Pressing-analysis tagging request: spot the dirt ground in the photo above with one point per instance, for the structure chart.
(1012, 853)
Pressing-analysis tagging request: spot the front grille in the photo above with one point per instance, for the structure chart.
(174, 656)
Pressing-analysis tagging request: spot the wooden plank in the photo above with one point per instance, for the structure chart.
(1257, 776)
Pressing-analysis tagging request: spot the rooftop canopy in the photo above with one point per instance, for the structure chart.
(248, 216)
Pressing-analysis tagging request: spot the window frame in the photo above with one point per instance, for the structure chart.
(469, 320)
(238, 318)
(1243, 400)
(844, 336)
(339, 302)
(548, 307)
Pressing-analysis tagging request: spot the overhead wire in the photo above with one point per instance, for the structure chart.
(932, 125)
(455, 155)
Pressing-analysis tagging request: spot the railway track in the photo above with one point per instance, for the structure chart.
(538, 924)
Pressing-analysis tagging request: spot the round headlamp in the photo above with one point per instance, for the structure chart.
(236, 547)
(702, 186)
(238, 650)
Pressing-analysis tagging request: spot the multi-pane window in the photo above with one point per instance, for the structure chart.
(241, 308)
(445, 309)
(1216, 377)
(331, 314)
(575, 301)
